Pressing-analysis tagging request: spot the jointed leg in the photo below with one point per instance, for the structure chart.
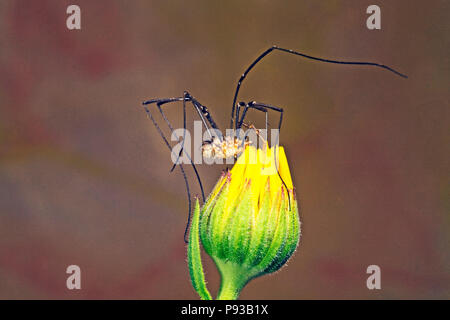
(202, 110)
(264, 108)
(203, 113)
(275, 48)
(261, 107)
(160, 102)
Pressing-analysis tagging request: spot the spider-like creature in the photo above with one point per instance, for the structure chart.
(225, 147)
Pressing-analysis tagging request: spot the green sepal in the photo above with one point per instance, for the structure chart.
(239, 232)
(205, 218)
(194, 257)
(278, 241)
(262, 225)
(216, 221)
(271, 227)
(291, 240)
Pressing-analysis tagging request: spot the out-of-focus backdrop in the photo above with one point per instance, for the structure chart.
(84, 177)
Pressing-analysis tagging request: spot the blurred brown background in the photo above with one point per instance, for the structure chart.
(84, 178)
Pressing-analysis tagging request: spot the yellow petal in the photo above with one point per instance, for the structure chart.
(259, 168)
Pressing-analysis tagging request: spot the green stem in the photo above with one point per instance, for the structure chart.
(234, 278)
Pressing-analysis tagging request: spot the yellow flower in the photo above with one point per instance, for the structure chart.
(249, 225)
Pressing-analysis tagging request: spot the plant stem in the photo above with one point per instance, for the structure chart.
(234, 278)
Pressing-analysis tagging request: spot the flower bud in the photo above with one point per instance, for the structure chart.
(249, 225)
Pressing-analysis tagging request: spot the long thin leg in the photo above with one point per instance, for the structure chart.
(261, 107)
(160, 102)
(188, 223)
(183, 173)
(265, 53)
(184, 131)
(264, 108)
(202, 110)
(238, 110)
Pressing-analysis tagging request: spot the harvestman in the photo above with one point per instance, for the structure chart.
(215, 146)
